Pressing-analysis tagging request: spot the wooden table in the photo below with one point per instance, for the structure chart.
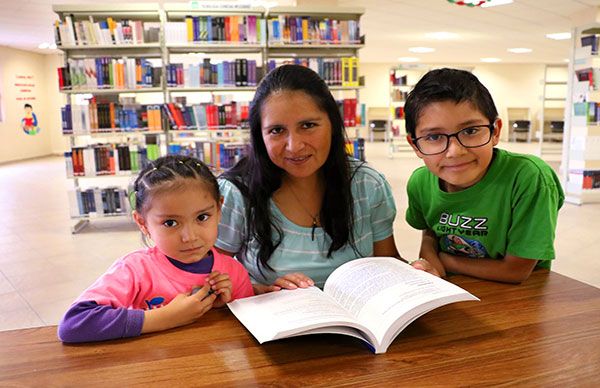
(545, 332)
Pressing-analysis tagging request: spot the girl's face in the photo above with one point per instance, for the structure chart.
(182, 222)
(296, 132)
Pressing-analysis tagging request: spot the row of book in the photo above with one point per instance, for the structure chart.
(108, 73)
(589, 75)
(591, 41)
(110, 159)
(98, 201)
(217, 29)
(585, 179)
(240, 72)
(219, 156)
(397, 78)
(207, 115)
(347, 108)
(334, 71)
(591, 110)
(249, 29)
(88, 32)
(110, 117)
(356, 148)
(399, 113)
(399, 95)
(312, 30)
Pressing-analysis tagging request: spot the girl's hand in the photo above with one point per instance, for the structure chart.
(222, 287)
(182, 310)
(290, 281)
(424, 265)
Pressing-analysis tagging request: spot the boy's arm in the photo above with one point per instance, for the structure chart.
(429, 251)
(510, 269)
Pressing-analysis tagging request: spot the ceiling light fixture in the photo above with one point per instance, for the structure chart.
(519, 50)
(490, 60)
(442, 35)
(559, 36)
(408, 59)
(43, 45)
(421, 50)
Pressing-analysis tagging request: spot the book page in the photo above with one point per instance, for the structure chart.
(386, 294)
(287, 313)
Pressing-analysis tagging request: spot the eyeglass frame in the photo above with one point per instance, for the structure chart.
(491, 127)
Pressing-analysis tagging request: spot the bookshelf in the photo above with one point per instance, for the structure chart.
(328, 41)
(402, 80)
(142, 80)
(112, 83)
(581, 159)
(519, 124)
(551, 121)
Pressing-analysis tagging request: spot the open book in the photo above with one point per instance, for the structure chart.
(372, 298)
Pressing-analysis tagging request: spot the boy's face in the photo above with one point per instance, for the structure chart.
(458, 167)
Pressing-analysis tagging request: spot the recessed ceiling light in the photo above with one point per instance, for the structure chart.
(559, 36)
(52, 46)
(494, 3)
(43, 45)
(566, 60)
(519, 50)
(408, 59)
(421, 50)
(442, 35)
(490, 60)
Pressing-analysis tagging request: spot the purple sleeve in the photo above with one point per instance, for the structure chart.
(88, 321)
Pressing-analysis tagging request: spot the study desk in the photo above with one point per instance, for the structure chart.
(544, 332)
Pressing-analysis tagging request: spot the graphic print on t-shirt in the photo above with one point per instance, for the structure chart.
(155, 303)
(462, 246)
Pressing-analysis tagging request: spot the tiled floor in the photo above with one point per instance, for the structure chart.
(43, 267)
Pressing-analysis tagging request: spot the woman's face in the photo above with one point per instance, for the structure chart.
(296, 132)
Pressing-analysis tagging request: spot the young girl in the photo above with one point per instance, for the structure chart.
(178, 206)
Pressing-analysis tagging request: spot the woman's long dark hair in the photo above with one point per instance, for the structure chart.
(258, 177)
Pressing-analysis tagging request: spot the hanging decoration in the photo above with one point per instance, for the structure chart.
(469, 3)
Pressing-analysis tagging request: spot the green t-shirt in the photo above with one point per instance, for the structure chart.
(511, 211)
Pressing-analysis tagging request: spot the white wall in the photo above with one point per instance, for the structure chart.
(511, 85)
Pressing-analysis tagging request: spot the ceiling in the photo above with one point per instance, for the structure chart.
(390, 27)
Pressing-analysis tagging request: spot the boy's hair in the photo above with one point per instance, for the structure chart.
(443, 85)
(168, 170)
(28, 106)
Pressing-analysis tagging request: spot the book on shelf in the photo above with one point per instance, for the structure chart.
(110, 117)
(98, 201)
(287, 29)
(239, 72)
(88, 32)
(372, 299)
(233, 29)
(334, 71)
(111, 159)
(356, 148)
(231, 115)
(108, 73)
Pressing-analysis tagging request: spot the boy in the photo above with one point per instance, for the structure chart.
(484, 212)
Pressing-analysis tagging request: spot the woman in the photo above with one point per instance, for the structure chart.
(298, 207)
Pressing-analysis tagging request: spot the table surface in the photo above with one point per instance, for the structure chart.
(545, 331)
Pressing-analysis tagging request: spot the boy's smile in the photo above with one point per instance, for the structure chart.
(458, 167)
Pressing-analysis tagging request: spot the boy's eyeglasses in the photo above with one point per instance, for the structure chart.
(471, 137)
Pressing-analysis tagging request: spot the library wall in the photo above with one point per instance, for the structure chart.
(511, 85)
(24, 78)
